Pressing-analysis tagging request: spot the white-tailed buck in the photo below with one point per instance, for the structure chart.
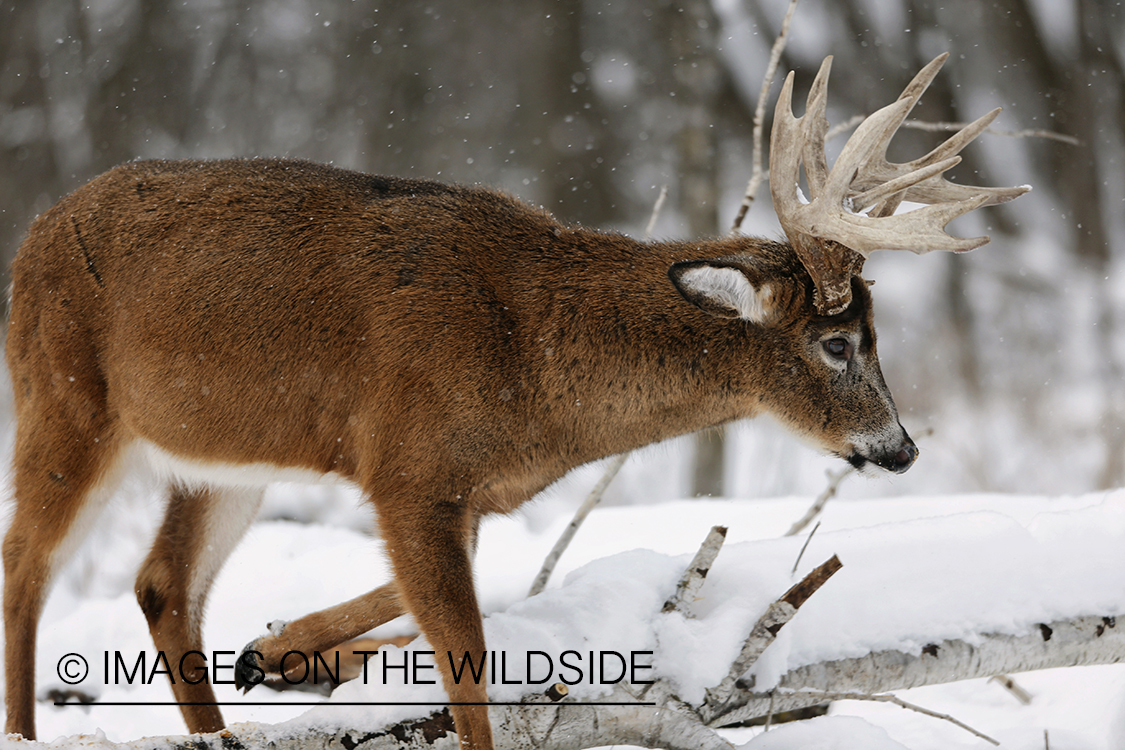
(450, 350)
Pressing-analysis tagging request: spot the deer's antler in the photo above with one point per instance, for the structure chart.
(850, 210)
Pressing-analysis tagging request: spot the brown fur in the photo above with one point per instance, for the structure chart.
(449, 349)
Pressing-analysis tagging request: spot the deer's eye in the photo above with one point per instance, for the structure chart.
(838, 348)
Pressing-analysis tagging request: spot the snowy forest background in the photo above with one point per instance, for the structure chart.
(1006, 363)
(1013, 355)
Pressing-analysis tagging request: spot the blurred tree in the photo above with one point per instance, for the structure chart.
(694, 74)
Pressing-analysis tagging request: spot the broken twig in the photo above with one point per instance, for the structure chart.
(804, 547)
(1012, 687)
(765, 632)
(697, 571)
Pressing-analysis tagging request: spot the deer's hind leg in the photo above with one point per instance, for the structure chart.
(201, 527)
(64, 473)
(328, 629)
(320, 632)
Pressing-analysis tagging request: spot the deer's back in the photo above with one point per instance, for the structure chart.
(252, 308)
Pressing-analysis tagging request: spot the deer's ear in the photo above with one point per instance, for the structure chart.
(722, 290)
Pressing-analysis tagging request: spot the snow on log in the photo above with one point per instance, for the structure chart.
(983, 574)
(765, 632)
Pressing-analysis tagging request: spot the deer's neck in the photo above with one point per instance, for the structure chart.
(621, 360)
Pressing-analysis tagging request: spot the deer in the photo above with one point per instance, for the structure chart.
(448, 349)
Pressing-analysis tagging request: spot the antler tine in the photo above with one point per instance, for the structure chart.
(923, 78)
(963, 137)
(786, 145)
(868, 140)
(912, 93)
(920, 231)
(932, 188)
(827, 232)
(900, 186)
(815, 129)
(890, 118)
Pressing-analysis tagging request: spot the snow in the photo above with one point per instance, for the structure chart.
(825, 733)
(916, 570)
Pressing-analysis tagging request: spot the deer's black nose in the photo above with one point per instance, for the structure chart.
(905, 457)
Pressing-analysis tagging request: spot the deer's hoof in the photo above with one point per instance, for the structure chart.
(248, 670)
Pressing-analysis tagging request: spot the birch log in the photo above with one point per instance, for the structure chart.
(1082, 641)
(561, 726)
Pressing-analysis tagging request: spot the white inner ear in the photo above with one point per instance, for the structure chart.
(730, 288)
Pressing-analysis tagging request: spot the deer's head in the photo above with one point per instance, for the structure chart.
(810, 309)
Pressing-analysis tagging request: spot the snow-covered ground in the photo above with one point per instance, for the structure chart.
(916, 570)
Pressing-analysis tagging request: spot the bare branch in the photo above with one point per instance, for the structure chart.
(756, 173)
(1012, 687)
(887, 698)
(571, 529)
(943, 127)
(834, 480)
(804, 547)
(937, 127)
(810, 584)
(656, 207)
(844, 127)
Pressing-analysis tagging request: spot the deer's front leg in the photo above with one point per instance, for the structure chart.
(430, 545)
